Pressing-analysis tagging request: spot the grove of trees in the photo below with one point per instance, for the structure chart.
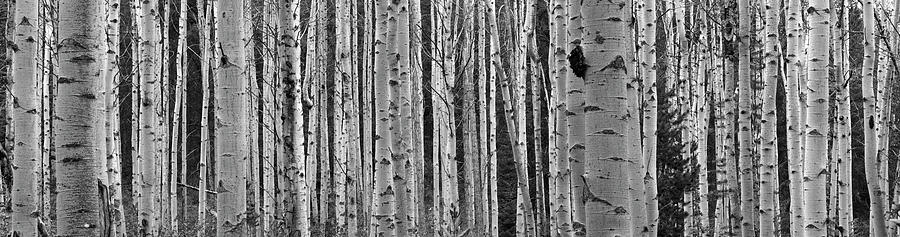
(449, 118)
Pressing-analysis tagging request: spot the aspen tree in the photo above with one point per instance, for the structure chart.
(232, 121)
(876, 219)
(385, 33)
(351, 100)
(637, 190)
(525, 207)
(179, 120)
(25, 100)
(723, 212)
(559, 69)
(575, 115)
(49, 65)
(303, 158)
(288, 45)
(204, 9)
(649, 126)
(76, 134)
(845, 211)
(468, 109)
(270, 85)
(443, 78)
(883, 108)
(417, 156)
(768, 172)
(606, 199)
(731, 173)
(494, 54)
(482, 184)
(341, 102)
(745, 148)
(367, 113)
(149, 28)
(114, 158)
(700, 94)
(400, 122)
(817, 114)
(535, 85)
(792, 84)
(472, 135)
(251, 22)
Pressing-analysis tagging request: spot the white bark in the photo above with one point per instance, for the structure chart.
(817, 107)
(606, 178)
(77, 136)
(26, 130)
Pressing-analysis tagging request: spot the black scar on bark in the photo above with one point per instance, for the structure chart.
(576, 61)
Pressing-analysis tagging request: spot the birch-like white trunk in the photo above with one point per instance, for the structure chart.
(606, 167)
(817, 107)
(26, 122)
(77, 134)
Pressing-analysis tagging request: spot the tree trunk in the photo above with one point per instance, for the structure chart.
(768, 170)
(637, 190)
(386, 34)
(232, 122)
(26, 153)
(845, 151)
(701, 94)
(606, 178)
(649, 126)
(400, 112)
(562, 177)
(146, 166)
(77, 134)
(745, 102)
(494, 54)
(817, 107)
(792, 103)
(575, 115)
(206, 56)
(876, 218)
(417, 156)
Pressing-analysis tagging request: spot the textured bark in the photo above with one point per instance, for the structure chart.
(792, 84)
(149, 155)
(204, 25)
(417, 212)
(649, 126)
(876, 217)
(77, 135)
(745, 103)
(303, 140)
(385, 56)
(178, 144)
(845, 150)
(400, 111)
(494, 54)
(114, 157)
(525, 209)
(232, 122)
(26, 123)
(701, 92)
(269, 110)
(575, 116)
(560, 176)
(817, 107)
(637, 190)
(606, 191)
(343, 101)
(768, 172)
